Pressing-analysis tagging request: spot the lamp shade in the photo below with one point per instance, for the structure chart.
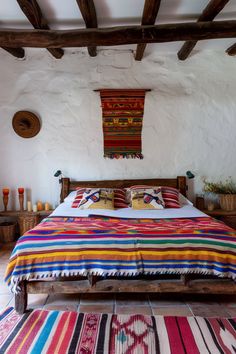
(57, 173)
(190, 175)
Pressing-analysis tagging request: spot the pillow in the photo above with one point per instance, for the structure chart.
(78, 198)
(71, 196)
(97, 199)
(119, 197)
(147, 199)
(170, 195)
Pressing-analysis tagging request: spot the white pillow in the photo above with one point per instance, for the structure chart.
(71, 196)
(183, 200)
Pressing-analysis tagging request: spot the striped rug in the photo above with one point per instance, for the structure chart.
(43, 331)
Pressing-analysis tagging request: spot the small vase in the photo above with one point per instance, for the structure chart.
(228, 202)
(210, 206)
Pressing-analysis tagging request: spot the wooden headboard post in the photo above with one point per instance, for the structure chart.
(68, 186)
(182, 185)
(65, 188)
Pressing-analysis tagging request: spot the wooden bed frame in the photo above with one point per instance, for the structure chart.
(191, 284)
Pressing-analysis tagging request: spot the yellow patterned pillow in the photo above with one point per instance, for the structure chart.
(147, 199)
(97, 199)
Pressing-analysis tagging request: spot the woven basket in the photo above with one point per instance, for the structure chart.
(27, 222)
(7, 231)
(228, 202)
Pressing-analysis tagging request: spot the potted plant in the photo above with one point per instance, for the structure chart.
(226, 191)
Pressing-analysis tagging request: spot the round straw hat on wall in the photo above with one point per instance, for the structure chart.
(26, 124)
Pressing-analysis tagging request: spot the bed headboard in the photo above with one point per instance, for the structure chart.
(68, 186)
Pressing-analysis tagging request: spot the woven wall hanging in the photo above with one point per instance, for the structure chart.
(122, 115)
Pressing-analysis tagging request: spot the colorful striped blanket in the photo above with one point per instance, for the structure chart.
(110, 246)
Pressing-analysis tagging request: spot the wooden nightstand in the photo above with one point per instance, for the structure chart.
(26, 219)
(228, 217)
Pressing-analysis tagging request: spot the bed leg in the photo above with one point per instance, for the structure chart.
(21, 298)
(185, 278)
(92, 279)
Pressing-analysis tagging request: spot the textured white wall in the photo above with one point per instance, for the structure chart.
(189, 119)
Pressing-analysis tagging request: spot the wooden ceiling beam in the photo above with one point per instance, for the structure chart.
(88, 12)
(117, 35)
(150, 11)
(209, 13)
(16, 52)
(231, 50)
(34, 14)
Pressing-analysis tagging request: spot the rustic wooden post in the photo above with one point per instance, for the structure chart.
(182, 186)
(21, 298)
(65, 187)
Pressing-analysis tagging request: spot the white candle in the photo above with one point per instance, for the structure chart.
(35, 208)
(29, 206)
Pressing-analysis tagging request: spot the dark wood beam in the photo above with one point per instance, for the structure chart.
(209, 13)
(88, 12)
(16, 52)
(34, 14)
(232, 50)
(117, 35)
(150, 11)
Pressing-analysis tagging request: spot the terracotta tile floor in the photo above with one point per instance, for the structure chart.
(122, 303)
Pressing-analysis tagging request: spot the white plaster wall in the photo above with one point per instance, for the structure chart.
(189, 119)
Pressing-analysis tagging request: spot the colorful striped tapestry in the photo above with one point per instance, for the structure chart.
(111, 246)
(122, 114)
(43, 331)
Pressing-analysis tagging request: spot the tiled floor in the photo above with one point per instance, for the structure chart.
(210, 306)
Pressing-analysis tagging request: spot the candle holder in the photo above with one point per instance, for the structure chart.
(5, 193)
(21, 198)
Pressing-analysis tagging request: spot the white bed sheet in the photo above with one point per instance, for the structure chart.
(186, 211)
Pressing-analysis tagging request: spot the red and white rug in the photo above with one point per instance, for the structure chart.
(43, 331)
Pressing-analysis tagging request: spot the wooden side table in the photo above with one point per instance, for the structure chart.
(26, 219)
(228, 217)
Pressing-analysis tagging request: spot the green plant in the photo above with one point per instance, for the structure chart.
(227, 187)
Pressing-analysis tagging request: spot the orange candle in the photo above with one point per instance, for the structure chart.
(39, 205)
(5, 191)
(21, 190)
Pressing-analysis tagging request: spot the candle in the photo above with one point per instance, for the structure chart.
(39, 205)
(29, 206)
(21, 197)
(47, 206)
(21, 190)
(35, 208)
(5, 191)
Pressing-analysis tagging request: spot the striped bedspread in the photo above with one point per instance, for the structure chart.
(111, 246)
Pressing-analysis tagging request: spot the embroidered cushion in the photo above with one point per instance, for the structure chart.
(119, 197)
(170, 195)
(147, 199)
(97, 199)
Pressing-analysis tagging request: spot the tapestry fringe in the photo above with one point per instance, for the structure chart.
(124, 156)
